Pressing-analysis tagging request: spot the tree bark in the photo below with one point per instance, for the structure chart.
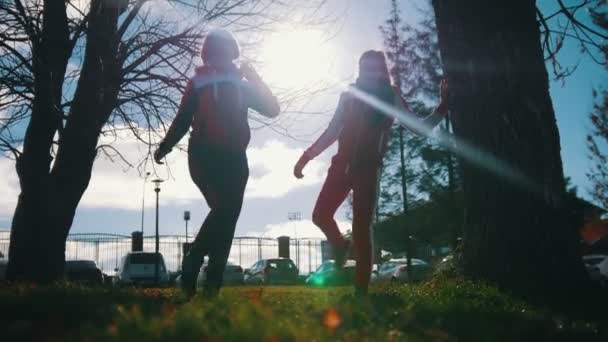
(50, 50)
(49, 197)
(515, 235)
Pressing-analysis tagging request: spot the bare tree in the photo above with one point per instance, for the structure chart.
(72, 71)
(565, 23)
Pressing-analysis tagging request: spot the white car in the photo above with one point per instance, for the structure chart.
(139, 268)
(279, 271)
(597, 266)
(233, 275)
(396, 270)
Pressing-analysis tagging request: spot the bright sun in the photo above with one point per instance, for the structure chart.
(296, 58)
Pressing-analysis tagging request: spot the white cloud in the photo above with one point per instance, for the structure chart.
(76, 9)
(299, 229)
(114, 186)
(276, 159)
(9, 188)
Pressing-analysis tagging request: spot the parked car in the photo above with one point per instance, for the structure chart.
(597, 266)
(83, 272)
(396, 270)
(3, 265)
(272, 271)
(233, 275)
(326, 275)
(139, 268)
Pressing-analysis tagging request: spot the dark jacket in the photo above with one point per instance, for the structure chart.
(215, 104)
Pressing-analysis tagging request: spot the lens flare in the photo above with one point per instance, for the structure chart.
(331, 320)
(465, 150)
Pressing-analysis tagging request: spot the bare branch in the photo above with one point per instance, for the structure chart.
(568, 13)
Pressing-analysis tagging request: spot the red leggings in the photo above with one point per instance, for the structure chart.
(339, 182)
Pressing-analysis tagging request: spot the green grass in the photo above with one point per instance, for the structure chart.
(447, 310)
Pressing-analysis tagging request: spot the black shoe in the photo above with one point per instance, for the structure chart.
(188, 287)
(341, 255)
(188, 283)
(210, 292)
(360, 292)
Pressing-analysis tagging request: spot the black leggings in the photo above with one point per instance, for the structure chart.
(221, 176)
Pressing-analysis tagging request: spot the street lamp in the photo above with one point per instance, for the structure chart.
(156, 265)
(295, 216)
(143, 198)
(187, 218)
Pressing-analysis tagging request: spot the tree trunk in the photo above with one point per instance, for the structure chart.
(29, 231)
(48, 200)
(449, 160)
(518, 236)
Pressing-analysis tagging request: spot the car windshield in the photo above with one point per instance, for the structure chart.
(147, 258)
(415, 262)
(350, 264)
(281, 264)
(232, 266)
(80, 265)
(594, 261)
(330, 265)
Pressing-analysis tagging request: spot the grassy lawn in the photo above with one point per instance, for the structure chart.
(436, 311)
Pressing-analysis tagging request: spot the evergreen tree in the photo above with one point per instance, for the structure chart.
(413, 53)
(597, 139)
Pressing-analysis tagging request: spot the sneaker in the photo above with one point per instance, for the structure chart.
(188, 283)
(341, 255)
(210, 292)
(360, 292)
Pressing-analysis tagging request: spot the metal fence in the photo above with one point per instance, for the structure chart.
(107, 249)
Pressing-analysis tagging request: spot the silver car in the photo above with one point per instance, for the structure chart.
(233, 275)
(139, 268)
(396, 270)
(272, 271)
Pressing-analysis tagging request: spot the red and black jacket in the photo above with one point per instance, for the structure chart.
(215, 104)
(361, 133)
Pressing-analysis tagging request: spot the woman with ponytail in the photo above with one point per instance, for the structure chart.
(362, 132)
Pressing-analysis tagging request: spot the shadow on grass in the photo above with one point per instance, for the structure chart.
(449, 310)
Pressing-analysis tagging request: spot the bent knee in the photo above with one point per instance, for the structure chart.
(227, 210)
(320, 218)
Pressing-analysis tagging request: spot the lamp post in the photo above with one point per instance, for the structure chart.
(157, 256)
(143, 199)
(187, 218)
(295, 216)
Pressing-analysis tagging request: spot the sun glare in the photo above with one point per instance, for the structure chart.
(293, 58)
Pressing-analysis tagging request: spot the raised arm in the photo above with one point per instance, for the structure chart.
(257, 94)
(327, 138)
(331, 133)
(422, 125)
(180, 125)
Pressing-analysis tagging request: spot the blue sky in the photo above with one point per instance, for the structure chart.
(112, 203)
(573, 102)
